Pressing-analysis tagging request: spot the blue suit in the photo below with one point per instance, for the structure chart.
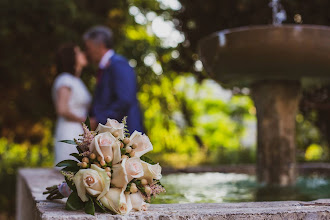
(115, 95)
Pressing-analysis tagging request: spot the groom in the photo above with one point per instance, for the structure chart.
(115, 93)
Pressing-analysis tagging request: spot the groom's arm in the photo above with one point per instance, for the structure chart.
(124, 89)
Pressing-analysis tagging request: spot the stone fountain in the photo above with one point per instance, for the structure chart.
(273, 61)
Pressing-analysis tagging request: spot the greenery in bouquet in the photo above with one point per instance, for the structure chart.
(110, 173)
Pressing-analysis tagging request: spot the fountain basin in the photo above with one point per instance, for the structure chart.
(241, 56)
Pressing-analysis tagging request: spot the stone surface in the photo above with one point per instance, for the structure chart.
(31, 204)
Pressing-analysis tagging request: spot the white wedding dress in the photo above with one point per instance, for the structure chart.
(79, 103)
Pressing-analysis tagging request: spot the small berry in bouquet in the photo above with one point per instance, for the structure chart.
(111, 172)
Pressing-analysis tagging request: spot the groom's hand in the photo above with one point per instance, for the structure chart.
(93, 123)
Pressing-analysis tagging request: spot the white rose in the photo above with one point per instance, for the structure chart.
(94, 181)
(112, 126)
(151, 172)
(128, 169)
(104, 145)
(137, 202)
(142, 142)
(117, 201)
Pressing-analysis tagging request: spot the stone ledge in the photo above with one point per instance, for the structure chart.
(31, 204)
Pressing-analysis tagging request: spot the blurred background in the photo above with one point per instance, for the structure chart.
(190, 119)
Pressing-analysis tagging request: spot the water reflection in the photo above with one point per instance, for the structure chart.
(221, 187)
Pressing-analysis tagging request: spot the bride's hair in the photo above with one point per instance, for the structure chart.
(66, 59)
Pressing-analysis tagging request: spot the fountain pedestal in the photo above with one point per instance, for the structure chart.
(277, 104)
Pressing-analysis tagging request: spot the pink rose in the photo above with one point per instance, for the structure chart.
(112, 126)
(106, 145)
(140, 143)
(128, 169)
(117, 201)
(138, 202)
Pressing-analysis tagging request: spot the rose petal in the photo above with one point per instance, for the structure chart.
(143, 143)
(105, 178)
(123, 206)
(93, 192)
(113, 123)
(81, 189)
(137, 201)
(134, 168)
(128, 202)
(134, 135)
(119, 174)
(151, 171)
(105, 151)
(115, 200)
(99, 187)
(111, 199)
(111, 126)
(95, 188)
(116, 153)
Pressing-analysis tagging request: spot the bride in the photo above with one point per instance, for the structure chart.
(71, 99)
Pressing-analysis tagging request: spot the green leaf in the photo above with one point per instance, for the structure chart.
(128, 187)
(142, 190)
(103, 209)
(89, 206)
(67, 163)
(88, 123)
(74, 202)
(77, 156)
(68, 142)
(71, 169)
(147, 159)
(139, 186)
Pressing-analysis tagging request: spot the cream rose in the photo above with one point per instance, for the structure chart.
(104, 145)
(112, 126)
(151, 172)
(137, 201)
(142, 142)
(117, 201)
(94, 181)
(128, 169)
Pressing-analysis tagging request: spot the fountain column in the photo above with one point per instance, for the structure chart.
(277, 104)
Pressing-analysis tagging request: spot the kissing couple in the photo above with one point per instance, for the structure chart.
(114, 95)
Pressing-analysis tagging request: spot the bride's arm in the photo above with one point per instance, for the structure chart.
(62, 105)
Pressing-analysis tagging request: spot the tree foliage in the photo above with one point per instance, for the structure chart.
(31, 31)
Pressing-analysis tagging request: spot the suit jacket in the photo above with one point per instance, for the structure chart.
(115, 95)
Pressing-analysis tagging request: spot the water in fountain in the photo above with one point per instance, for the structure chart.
(279, 14)
(231, 187)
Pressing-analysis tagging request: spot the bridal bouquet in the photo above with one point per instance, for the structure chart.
(112, 173)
